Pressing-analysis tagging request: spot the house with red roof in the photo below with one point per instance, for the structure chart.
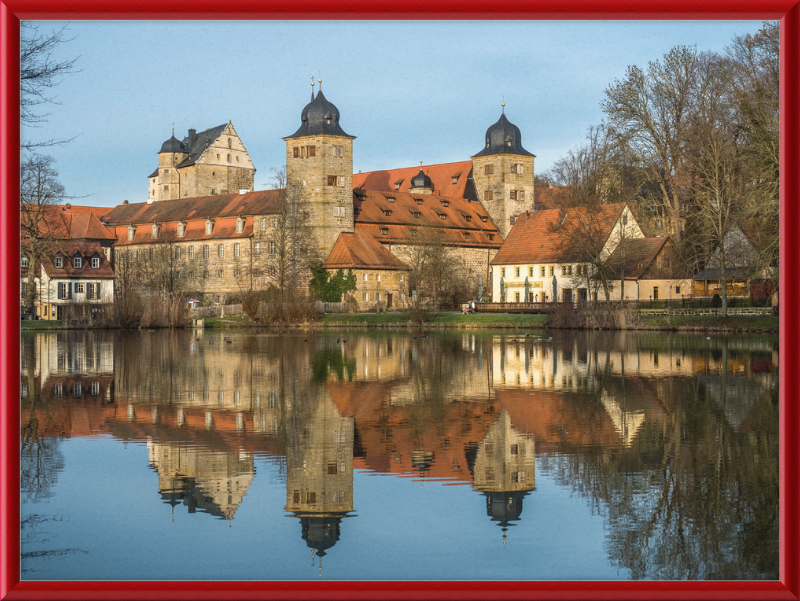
(553, 255)
(648, 269)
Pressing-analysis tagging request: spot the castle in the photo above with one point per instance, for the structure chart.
(224, 237)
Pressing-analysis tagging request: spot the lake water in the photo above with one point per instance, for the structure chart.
(394, 455)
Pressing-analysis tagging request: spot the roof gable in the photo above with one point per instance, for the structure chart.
(357, 251)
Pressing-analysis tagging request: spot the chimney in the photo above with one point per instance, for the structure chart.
(192, 138)
(125, 201)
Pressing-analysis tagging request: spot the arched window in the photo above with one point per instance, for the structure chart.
(230, 143)
(229, 158)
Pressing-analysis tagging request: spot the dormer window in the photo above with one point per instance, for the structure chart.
(154, 229)
(445, 203)
(385, 231)
(387, 212)
(131, 232)
(95, 262)
(418, 201)
(397, 184)
(390, 198)
(416, 214)
(24, 262)
(468, 218)
(239, 225)
(181, 229)
(59, 262)
(77, 262)
(465, 234)
(442, 216)
(328, 119)
(455, 179)
(491, 236)
(484, 218)
(209, 226)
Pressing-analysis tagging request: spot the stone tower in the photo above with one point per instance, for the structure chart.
(421, 183)
(167, 181)
(319, 176)
(503, 174)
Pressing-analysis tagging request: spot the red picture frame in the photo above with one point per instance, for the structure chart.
(788, 11)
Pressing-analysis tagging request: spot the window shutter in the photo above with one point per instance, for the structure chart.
(312, 151)
(296, 152)
(69, 290)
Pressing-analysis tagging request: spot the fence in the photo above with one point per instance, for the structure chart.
(218, 310)
(331, 307)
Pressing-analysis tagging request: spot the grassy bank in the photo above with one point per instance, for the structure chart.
(688, 323)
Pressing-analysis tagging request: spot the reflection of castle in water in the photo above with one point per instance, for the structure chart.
(319, 471)
(503, 468)
(209, 480)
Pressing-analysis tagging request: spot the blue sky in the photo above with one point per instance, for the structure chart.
(408, 90)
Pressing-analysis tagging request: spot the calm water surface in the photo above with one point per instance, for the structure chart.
(389, 456)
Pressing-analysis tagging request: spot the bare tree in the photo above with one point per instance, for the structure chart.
(436, 266)
(41, 225)
(40, 72)
(127, 286)
(284, 258)
(648, 113)
(161, 271)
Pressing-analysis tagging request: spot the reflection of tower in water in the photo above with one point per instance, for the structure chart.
(503, 468)
(212, 481)
(319, 472)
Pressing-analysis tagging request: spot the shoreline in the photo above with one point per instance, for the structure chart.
(450, 321)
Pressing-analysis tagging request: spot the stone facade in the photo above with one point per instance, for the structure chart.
(223, 167)
(504, 183)
(385, 287)
(319, 178)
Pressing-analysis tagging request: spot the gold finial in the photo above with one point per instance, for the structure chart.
(503, 104)
(173, 129)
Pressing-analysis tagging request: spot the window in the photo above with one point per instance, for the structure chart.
(191, 274)
(442, 215)
(177, 252)
(445, 203)
(502, 272)
(418, 201)
(338, 212)
(366, 277)
(342, 181)
(64, 290)
(338, 150)
(24, 262)
(665, 262)
(513, 219)
(624, 219)
(563, 270)
(131, 232)
(491, 236)
(209, 225)
(387, 212)
(95, 262)
(236, 273)
(542, 271)
(365, 296)
(263, 224)
(166, 189)
(239, 225)
(220, 273)
(220, 251)
(569, 269)
(552, 270)
(390, 199)
(677, 289)
(236, 249)
(89, 291)
(397, 185)
(257, 249)
(275, 223)
(377, 296)
(138, 254)
(513, 167)
(512, 195)
(191, 252)
(273, 248)
(77, 262)
(488, 169)
(521, 195)
(468, 218)
(530, 272)
(24, 290)
(205, 251)
(332, 180)
(488, 195)
(516, 271)
(166, 171)
(455, 179)
(213, 191)
(377, 277)
(181, 229)
(205, 274)
(655, 292)
(229, 158)
(385, 231)
(659, 224)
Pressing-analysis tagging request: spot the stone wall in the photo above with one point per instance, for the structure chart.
(501, 182)
(375, 286)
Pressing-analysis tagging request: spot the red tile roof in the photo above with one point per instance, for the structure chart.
(453, 215)
(635, 256)
(535, 237)
(224, 227)
(69, 250)
(66, 222)
(441, 175)
(262, 202)
(361, 251)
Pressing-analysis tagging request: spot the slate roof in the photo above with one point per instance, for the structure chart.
(635, 256)
(361, 251)
(441, 175)
(503, 137)
(460, 217)
(87, 250)
(204, 139)
(262, 202)
(315, 116)
(534, 238)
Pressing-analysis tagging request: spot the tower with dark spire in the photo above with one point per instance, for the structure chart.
(503, 174)
(421, 183)
(166, 181)
(319, 176)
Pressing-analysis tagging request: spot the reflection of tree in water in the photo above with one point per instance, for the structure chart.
(331, 361)
(694, 497)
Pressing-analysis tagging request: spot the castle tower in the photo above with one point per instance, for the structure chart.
(421, 183)
(503, 174)
(319, 176)
(167, 182)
